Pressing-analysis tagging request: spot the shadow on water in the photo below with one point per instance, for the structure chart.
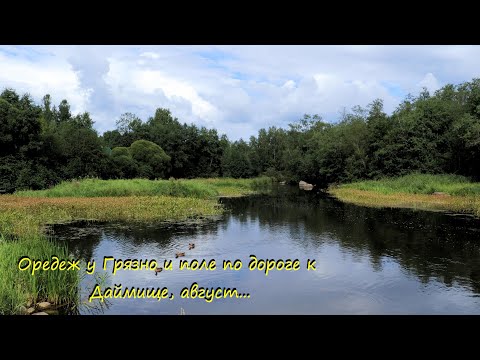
(431, 247)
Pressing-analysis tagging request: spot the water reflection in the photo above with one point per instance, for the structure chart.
(428, 244)
(368, 260)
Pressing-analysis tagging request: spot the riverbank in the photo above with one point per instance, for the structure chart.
(23, 217)
(417, 191)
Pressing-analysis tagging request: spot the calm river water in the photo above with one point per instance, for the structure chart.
(368, 261)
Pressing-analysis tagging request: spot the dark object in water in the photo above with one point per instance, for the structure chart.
(178, 254)
(157, 270)
(191, 246)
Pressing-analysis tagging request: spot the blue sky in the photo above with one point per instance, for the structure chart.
(236, 89)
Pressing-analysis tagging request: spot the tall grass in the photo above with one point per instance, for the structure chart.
(195, 188)
(419, 184)
(120, 188)
(19, 287)
(235, 187)
(414, 191)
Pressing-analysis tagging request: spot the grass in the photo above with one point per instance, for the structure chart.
(414, 191)
(195, 188)
(419, 184)
(23, 217)
(17, 288)
(236, 187)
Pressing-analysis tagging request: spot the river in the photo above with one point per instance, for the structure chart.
(367, 260)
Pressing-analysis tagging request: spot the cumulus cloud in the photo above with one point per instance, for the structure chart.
(236, 89)
(430, 82)
(39, 74)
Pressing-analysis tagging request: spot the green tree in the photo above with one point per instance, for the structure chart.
(63, 114)
(235, 162)
(150, 158)
(124, 162)
(82, 150)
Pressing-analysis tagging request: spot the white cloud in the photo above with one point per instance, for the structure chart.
(236, 89)
(152, 80)
(149, 54)
(49, 75)
(430, 82)
(153, 88)
(290, 84)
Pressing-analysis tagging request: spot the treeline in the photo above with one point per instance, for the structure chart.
(437, 133)
(40, 145)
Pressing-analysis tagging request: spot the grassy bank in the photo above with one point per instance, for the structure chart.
(19, 288)
(23, 217)
(195, 188)
(420, 191)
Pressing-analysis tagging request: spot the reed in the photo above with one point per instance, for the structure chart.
(457, 193)
(195, 188)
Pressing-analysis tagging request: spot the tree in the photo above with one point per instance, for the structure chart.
(126, 166)
(47, 110)
(82, 150)
(11, 97)
(128, 123)
(151, 160)
(235, 162)
(434, 133)
(114, 139)
(63, 114)
(83, 120)
(22, 145)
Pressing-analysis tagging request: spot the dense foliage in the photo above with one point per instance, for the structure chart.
(431, 133)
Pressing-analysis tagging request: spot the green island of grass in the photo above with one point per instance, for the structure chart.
(23, 217)
(419, 191)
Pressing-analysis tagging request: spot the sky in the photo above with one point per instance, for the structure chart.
(237, 89)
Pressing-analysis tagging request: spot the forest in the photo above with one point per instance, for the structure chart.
(44, 144)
